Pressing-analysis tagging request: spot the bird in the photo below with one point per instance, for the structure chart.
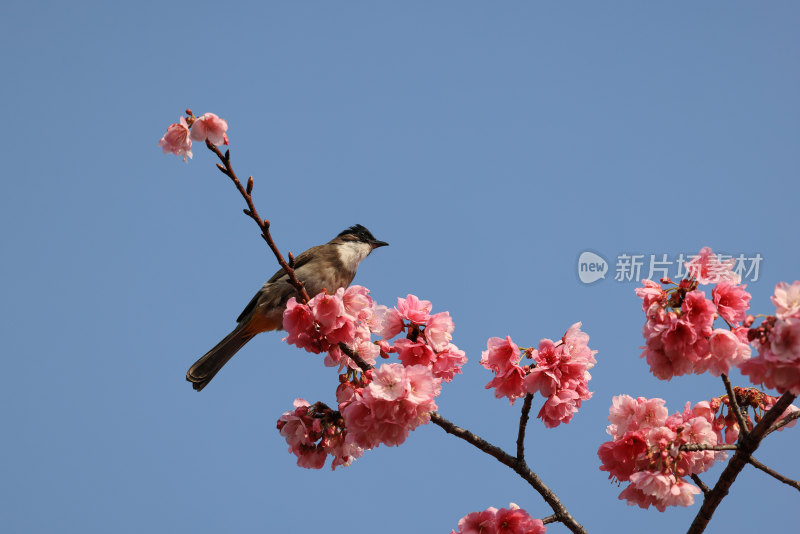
(325, 267)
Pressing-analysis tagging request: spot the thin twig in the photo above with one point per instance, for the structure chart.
(783, 422)
(227, 169)
(703, 447)
(748, 443)
(353, 355)
(519, 467)
(734, 405)
(700, 484)
(793, 483)
(523, 423)
(550, 519)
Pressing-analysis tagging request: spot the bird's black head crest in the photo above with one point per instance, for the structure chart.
(359, 232)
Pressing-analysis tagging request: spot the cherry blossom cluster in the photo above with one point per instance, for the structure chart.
(377, 406)
(559, 371)
(725, 423)
(350, 316)
(427, 340)
(394, 400)
(645, 450)
(179, 136)
(777, 340)
(511, 520)
(315, 432)
(679, 333)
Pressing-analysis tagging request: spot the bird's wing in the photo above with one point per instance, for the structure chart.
(299, 261)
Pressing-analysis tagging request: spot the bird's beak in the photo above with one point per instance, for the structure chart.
(375, 244)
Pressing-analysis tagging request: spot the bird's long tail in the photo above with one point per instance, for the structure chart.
(204, 369)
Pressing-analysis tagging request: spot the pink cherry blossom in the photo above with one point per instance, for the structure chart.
(785, 339)
(778, 362)
(510, 385)
(732, 301)
(448, 362)
(501, 356)
(312, 436)
(439, 330)
(707, 268)
(176, 140)
(651, 293)
(698, 312)
(389, 383)
(517, 521)
(389, 322)
(298, 321)
(787, 299)
(681, 493)
(209, 126)
(479, 522)
(414, 310)
(559, 408)
(619, 457)
(414, 352)
(422, 386)
(396, 400)
(560, 373)
(511, 520)
(646, 450)
(726, 351)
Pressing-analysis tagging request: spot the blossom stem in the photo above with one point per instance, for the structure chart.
(747, 445)
(227, 169)
(353, 355)
(523, 423)
(758, 465)
(703, 447)
(783, 422)
(734, 405)
(700, 484)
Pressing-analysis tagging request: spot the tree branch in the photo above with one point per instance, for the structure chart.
(783, 422)
(523, 423)
(734, 405)
(702, 447)
(758, 465)
(700, 484)
(227, 169)
(748, 443)
(519, 467)
(517, 464)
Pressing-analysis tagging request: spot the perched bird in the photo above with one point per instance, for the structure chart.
(329, 266)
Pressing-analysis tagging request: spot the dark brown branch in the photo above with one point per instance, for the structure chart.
(700, 484)
(227, 169)
(523, 423)
(734, 405)
(517, 464)
(550, 519)
(748, 443)
(758, 465)
(783, 422)
(519, 467)
(701, 447)
(353, 355)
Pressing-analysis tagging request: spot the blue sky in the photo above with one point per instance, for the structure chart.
(489, 143)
